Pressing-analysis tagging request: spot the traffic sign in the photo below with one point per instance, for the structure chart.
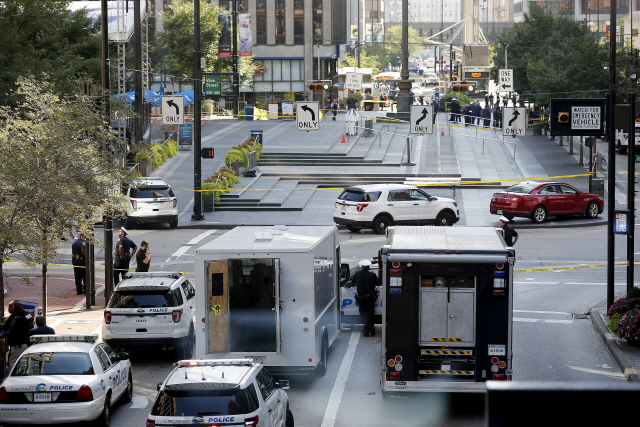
(514, 121)
(212, 85)
(172, 110)
(637, 158)
(353, 81)
(307, 116)
(505, 81)
(421, 119)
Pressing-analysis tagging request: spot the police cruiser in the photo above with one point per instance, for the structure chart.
(151, 309)
(221, 392)
(62, 379)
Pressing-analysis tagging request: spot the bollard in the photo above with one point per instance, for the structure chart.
(408, 162)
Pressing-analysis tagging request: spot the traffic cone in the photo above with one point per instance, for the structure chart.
(343, 138)
(442, 132)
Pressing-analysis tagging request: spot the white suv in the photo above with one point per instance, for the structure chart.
(151, 310)
(622, 139)
(379, 206)
(221, 392)
(151, 200)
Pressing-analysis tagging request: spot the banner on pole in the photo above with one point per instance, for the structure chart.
(224, 43)
(244, 33)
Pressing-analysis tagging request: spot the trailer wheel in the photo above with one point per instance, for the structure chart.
(321, 369)
(289, 420)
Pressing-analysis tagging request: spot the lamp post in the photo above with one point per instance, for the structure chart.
(404, 95)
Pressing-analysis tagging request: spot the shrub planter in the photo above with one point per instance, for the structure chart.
(237, 168)
(207, 203)
(144, 168)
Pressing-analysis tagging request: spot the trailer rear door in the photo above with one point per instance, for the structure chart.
(447, 315)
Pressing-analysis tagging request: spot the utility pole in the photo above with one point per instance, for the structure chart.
(137, 29)
(359, 32)
(404, 96)
(197, 116)
(236, 76)
(631, 192)
(612, 155)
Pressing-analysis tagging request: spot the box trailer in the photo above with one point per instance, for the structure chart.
(447, 310)
(271, 294)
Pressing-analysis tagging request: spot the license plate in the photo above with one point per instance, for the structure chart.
(142, 321)
(41, 397)
(497, 350)
(343, 207)
(445, 367)
(499, 212)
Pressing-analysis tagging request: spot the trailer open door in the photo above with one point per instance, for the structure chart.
(218, 306)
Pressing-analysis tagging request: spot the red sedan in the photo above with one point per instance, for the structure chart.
(538, 200)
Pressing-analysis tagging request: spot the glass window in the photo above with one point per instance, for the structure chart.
(258, 77)
(286, 69)
(113, 357)
(277, 70)
(353, 195)
(298, 21)
(189, 291)
(280, 21)
(261, 21)
(177, 295)
(266, 76)
(418, 195)
(398, 196)
(151, 192)
(549, 189)
(53, 363)
(143, 299)
(317, 21)
(568, 190)
(104, 360)
(215, 399)
(295, 70)
(266, 384)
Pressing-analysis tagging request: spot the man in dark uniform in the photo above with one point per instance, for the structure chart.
(122, 256)
(18, 334)
(366, 282)
(78, 261)
(510, 235)
(143, 257)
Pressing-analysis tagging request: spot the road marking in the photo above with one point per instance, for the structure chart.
(618, 375)
(139, 402)
(56, 323)
(183, 249)
(330, 414)
(542, 312)
(354, 241)
(527, 320)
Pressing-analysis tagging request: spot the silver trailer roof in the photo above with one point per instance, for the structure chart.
(414, 238)
(268, 239)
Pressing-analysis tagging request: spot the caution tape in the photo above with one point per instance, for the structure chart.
(576, 267)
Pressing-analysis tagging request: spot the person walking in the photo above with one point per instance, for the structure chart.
(381, 105)
(510, 235)
(78, 261)
(477, 112)
(334, 109)
(491, 100)
(497, 116)
(40, 329)
(366, 295)
(18, 334)
(435, 106)
(124, 248)
(486, 115)
(143, 257)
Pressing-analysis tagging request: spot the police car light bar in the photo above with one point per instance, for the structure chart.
(171, 274)
(216, 362)
(37, 339)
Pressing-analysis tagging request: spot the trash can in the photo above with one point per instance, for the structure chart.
(257, 134)
(31, 308)
(368, 129)
(537, 129)
(596, 186)
(248, 112)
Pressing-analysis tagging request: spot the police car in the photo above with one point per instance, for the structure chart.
(62, 379)
(151, 309)
(349, 310)
(149, 200)
(221, 392)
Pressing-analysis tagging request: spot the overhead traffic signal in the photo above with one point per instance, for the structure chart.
(319, 86)
(563, 117)
(464, 87)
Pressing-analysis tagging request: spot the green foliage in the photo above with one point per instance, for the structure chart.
(457, 95)
(173, 147)
(365, 62)
(290, 95)
(355, 97)
(144, 154)
(233, 156)
(389, 51)
(166, 151)
(612, 324)
(634, 293)
(629, 326)
(207, 105)
(219, 183)
(241, 115)
(158, 155)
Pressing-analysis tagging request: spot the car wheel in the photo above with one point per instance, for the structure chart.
(128, 393)
(353, 229)
(381, 223)
(174, 224)
(321, 369)
(539, 214)
(289, 420)
(444, 219)
(592, 210)
(186, 351)
(104, 420)
(509, 217)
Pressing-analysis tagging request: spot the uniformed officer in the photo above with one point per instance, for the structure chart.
(18, 334)
(78, 261)
(124, 248)
(510, 235)
(366, 282)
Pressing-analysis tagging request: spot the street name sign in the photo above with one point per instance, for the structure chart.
(212, 85)
(353, 81)
(172, 110)
(307, 116)
(505, 79)
(421, 120)
(514, 121)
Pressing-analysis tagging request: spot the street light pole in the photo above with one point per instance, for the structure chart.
(197, 117)
(404, 95)
(612, 157)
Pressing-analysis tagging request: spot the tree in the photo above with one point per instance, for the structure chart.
(177, 39)
(46, 37)
(389, 52)
(365, 62)
(58, 168)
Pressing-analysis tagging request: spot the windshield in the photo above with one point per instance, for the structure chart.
(54, 363)
(151, 193)
(143, 299)
(224, 401)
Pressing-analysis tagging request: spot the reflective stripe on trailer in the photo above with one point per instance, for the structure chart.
(425, 372)
(446, 339)
(441, 352)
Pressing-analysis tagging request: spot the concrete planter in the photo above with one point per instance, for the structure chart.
(144, 168)
(237, 168)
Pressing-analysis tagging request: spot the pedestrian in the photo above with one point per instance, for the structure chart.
(18, 334)
(435, 106)
(477, 112)
(7, 323)
(122, 256)
(334, 108)
(486, 115)
(497, 116)
(381, 105)
(78, 261)
(486, 98)
(510, 235)
(491, 100)
(40, 329)
(368, 106)
(366, 296)
(143, 257)
(505, 100)
(466, 112)
(421, 100)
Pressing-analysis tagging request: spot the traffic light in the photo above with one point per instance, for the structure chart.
(454, 78)
(563, 117)
(471, 88)
(455, 69)
(461, 88)
(206, 153)
(319, 86)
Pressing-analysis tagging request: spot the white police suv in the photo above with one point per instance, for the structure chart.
(151, 310)
(150, 200)
(221, 392)
(62, 379)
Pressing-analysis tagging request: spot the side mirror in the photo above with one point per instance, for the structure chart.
(123, 356)
(283, 384)
(159, 386)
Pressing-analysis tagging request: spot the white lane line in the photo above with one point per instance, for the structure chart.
(330, 414)
(56, 323)
(183, 249)
(139, 402)
(527, 320)
(542, 312)
(536, 283)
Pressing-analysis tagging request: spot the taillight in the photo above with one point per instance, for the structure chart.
(4, 396)
(494, 360)
(175, 202)
(253, 421)
(151, 423)
(499, 377)
(398, 358)
(394, 375)
(626, 137)
(84, 394)
(107, 317)
(177, 315)
(516, 199)
(134, 204)
(361, 206)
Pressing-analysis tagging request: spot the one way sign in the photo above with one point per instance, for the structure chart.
(307, 116)
(505, 81)
(172, 110)
(421, 119)
(514, 121)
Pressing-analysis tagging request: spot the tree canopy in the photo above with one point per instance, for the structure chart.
(390, 51)
(365, 62)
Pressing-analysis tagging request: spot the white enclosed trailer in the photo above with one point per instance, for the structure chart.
(271, 294)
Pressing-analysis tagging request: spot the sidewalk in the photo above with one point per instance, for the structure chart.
(628, 357)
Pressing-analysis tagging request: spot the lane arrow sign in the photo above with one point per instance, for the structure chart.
(424, 114)
(170, 103)
(309, 110)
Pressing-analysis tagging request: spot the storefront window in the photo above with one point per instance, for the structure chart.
(261, 21)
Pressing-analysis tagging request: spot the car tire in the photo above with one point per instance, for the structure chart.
(509, 217)
(539, 214)
(321, 369)
(444, 219)
(104, 420)
(353, 229)
(288, 422)
(185, 351)
(173, 224)
(593, 210)
(127, 396)
(381, 223)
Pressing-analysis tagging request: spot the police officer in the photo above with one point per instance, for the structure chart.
(366, 282)
(510, 235)
(124, 248)
(78, 261)
(18, 334)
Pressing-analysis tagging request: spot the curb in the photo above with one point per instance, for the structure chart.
(614, 348)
